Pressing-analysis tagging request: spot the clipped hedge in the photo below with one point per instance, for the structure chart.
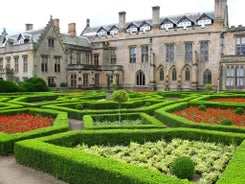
(7, 141)
(148, 121)
(76, 166)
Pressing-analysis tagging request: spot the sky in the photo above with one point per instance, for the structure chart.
(16, 13)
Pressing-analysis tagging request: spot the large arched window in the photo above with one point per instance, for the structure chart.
(140, 78)
(161, 75)
(187, 74)
(174, 74)
(207, 77)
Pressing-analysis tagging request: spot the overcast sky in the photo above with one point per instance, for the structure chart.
(16, 13)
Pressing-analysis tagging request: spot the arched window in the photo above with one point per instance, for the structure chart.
(232, 76)
(174, 75)
(187, 74)
(161, 75)
(207, 77)
(140, 78)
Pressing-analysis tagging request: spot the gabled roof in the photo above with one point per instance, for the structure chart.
(145, 22)
(175, 19)
(185, 18)
(204, 15)
(102, 28)
(169, 20)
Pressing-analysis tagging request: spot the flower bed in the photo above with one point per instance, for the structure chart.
(228, 99)
(211, 115)
(23, 123)
(210, 159)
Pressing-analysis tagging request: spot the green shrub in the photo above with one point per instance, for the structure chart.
(8, 87)
(79, 106)
(35, 84)
(52, 84)
(239, 110)
(202, 107)
(63, 84)
(226, 122)
(183, 167)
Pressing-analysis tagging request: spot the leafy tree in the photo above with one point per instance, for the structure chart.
(120, 96)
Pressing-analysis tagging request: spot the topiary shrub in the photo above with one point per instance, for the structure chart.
(63, 84)
(8, 87)
(239, 110)
(79, 106)
(35, 84)
(183, 167)
(202, 107)
(226, 122)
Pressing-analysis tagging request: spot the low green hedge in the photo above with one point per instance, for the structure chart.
(171, 120)
(148, 121)
(76, 166)
(7, 141)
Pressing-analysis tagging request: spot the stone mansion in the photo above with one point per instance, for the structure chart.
(182, 52)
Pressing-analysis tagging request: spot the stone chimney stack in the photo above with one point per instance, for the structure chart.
(156, 16)
(122, 21)
(72, 29)
(57, 24)
(88, 23)
(29, 27)
(220, 10)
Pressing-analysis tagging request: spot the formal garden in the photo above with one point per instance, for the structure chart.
(134, 137)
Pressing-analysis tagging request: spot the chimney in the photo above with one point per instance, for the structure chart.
(220, 9)
(155, 16)
(122, 21)
(88, 23)
(72, 29)
(29, 27)
(57, 24)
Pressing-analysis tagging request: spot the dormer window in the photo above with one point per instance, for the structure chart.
(167, 24)
(184, 22)
(132, 28)
(145, 26)
(51, 42)
(102, 33)
(204, 20)
(114, 30)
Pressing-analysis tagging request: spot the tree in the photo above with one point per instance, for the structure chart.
(120, 96)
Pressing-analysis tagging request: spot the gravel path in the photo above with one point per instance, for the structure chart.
(13, 173)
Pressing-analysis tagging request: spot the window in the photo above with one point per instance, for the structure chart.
(78, 58)
(25, 64)
(96, 59)
(8, 65)
(170, 53)
(97, 79)
(16, 64)
(109, 80)
(51, 81)
(57, 64)
(174, 75)
(1, 64)
(188, 52)
(161, 75)
(73, 80)
(51, 42)
(44, 64)
(132, 54)
(207, 77)
(239, 76)
(87, 59)
(113, 56)
(204, 51)
(240, 46)
(85, 79)
(187, 74)
(140, 78)
(144, 54)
